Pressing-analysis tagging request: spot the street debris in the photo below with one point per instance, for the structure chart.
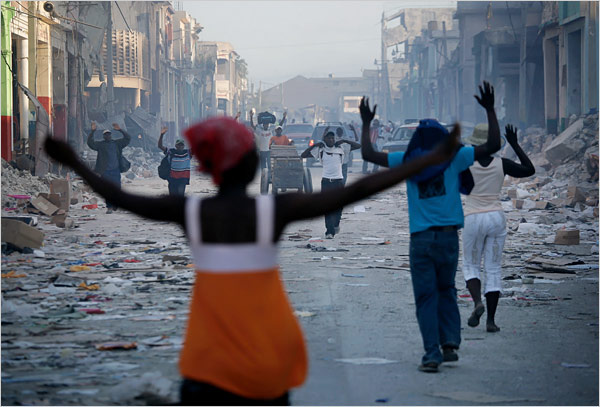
(366, 361)
(482, 398)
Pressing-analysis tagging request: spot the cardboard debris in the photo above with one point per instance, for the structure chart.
(62, 187)
(44, 206)
(116, 346)
(53, 198)
(567, 237)
(517, 203)
(21, 235)
(542, 205)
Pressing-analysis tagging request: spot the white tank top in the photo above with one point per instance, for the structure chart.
(485, 196)
(234, 257)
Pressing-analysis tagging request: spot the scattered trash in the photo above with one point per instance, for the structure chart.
(482, 398)
(352, 275)
(360, 209)
(575, 365)
(116, 346)
(74, 269)
(92, 311)
(91, 287)
(373, 241)
(304, 314)
(366, 361)
(13, 274)
(90, 206)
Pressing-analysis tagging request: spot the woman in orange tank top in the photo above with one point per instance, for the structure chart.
(231, 356)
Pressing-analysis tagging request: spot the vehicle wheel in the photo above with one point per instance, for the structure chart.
(264, 181)
(307, 181)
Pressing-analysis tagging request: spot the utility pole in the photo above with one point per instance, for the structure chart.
(383, 78)
(32, 33)
(109, 64)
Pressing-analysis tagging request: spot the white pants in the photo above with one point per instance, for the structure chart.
(483, 236)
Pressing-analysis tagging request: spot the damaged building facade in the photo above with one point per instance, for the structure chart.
(542, 58)
(152, 71)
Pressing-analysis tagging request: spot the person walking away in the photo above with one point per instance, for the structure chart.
(263, 137)
(279, 139)
(243, 344)
(331, 155)
(374, 138)
(110, 162)
(485, 224)
(435, 215)
(339, 135)
(180, 162)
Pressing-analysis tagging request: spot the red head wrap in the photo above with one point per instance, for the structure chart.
(219, 143)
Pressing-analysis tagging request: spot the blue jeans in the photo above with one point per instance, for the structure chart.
(433, 262)
(113, 176)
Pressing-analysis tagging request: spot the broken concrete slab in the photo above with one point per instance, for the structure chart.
(564, 146)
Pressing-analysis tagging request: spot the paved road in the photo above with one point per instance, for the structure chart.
(353, 304)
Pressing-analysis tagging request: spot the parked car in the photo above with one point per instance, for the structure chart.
(299, 133)
(317, 136)
(401, 137)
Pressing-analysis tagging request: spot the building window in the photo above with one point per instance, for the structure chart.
(223, 68)
(568, 9)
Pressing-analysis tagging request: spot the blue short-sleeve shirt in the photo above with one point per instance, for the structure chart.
(437, 202)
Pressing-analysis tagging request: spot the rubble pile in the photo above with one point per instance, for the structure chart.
(571, 155)
(21, 182)
(565, 185)
(143, 163)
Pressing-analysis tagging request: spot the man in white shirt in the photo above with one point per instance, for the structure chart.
(262, 137)
(331, 155)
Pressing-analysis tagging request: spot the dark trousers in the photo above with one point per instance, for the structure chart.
(366, 163)
(433, 262)
(332, 219)
(113, 176)
(203, 394)
(177, 186)
(265, 159)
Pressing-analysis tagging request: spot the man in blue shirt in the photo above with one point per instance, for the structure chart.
(435, 215)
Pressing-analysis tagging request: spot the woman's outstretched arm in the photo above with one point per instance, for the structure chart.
(168, 208)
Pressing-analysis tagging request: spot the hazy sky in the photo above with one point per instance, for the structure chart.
(282, 39)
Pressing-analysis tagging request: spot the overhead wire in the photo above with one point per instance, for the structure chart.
(124, 19)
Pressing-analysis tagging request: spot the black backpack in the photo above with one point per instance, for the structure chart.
(164, 168)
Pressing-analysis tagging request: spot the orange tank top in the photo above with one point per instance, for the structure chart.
(242, 335)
